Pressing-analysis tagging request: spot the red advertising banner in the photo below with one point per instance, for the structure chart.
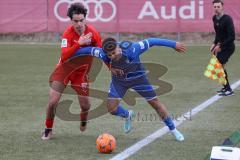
(23, 16)
(115, 15)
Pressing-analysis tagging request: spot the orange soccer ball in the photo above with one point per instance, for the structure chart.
(106, 143)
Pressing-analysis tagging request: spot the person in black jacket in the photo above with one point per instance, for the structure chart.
(223, 46)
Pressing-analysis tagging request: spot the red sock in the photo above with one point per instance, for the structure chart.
(49, 123)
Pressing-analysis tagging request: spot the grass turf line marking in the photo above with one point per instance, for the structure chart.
(159, 133)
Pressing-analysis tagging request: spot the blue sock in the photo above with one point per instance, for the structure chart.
(120, 111)
(169, 122)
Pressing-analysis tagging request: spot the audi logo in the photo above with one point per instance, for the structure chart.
(98, 9)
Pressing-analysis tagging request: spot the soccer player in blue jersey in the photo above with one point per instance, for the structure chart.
(126, 57)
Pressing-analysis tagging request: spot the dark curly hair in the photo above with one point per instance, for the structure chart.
(109, 44)
(76, 8)
(218, 1)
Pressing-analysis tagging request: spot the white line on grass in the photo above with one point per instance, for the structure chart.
(159, 133)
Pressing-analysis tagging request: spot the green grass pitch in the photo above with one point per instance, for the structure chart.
(24, 88)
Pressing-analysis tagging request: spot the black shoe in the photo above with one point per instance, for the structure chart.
(47, 134)
(83, 125)
(227, 93)
(222, 90)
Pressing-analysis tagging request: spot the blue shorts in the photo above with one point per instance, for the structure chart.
(141, 85)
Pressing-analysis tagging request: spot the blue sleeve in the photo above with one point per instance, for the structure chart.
(142, 46)
(93, 51)
(161, 42)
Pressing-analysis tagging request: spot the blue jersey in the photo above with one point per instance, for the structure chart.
(134, 72)
(130, 61)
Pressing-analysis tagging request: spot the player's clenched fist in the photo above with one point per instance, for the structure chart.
(85, 39)
(180, 47)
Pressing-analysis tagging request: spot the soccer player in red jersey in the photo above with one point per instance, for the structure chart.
(78, 35)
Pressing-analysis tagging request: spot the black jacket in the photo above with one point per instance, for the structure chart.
(225, 32)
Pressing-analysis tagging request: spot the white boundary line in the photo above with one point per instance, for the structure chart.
(159, 133)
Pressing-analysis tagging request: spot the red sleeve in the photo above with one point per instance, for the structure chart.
(98, 40)
(68, 49)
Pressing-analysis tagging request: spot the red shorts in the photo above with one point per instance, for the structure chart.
(78, 78)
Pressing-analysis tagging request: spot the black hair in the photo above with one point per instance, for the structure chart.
(109, 44)
(76, 8)
(218, 1)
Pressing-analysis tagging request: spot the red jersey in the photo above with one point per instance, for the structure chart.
(70, 45)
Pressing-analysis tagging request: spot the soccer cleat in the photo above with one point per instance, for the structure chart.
(83, 120)
(47, 134)
(222, 90)
(227, 93)
(178, 135)
(83, 126)
(128, 121)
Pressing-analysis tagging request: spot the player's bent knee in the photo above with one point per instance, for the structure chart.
(111, 109)
(85, 107)
(112, 112)
(52, 104)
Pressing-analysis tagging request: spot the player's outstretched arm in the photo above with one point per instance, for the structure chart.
(161, 42)
(92, 51)
(179, 47)
(84, 51)
(144, 45)
(99, 53)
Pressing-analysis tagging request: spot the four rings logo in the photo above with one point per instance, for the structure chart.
(96, 9)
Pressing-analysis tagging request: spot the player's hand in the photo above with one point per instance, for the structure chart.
(85, 39)
(180, 47)
(216, 49)
(117, 72)
(212, 47)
